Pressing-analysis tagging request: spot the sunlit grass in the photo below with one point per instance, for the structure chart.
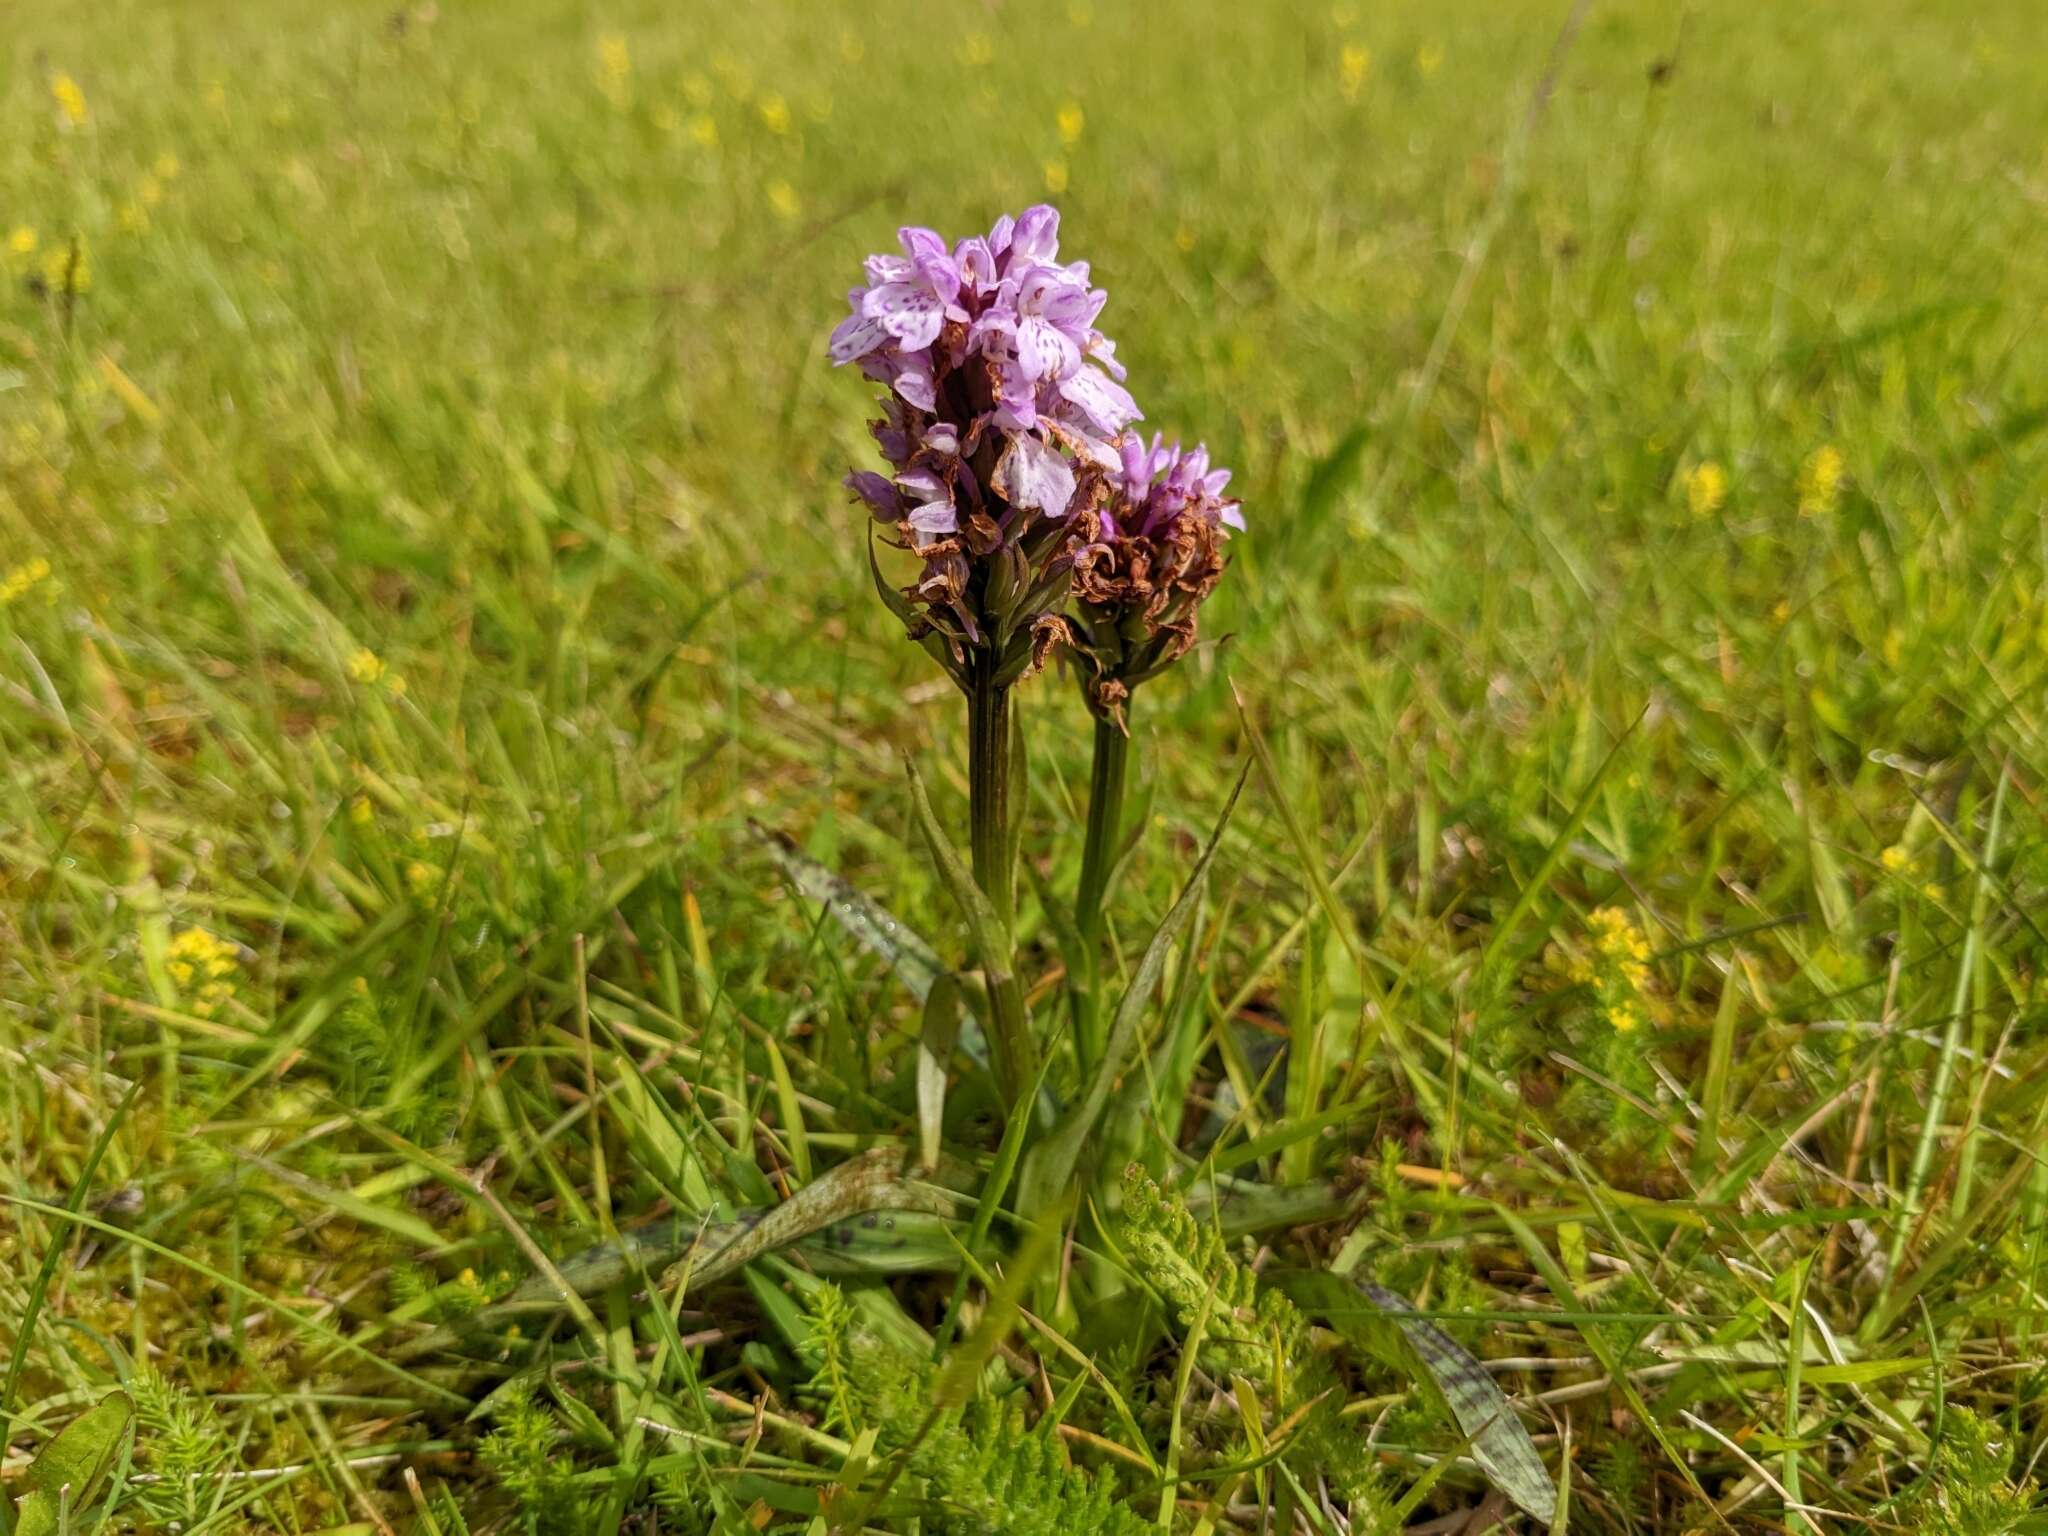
(421, 553)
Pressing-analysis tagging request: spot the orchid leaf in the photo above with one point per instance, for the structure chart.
(70, 1473)
(1391, 1329)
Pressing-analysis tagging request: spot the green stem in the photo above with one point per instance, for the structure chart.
(1014, 1049)
(1105, 819)
(988, 791)
(1098, 856)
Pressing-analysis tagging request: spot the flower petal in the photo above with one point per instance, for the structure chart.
(1037, 236)
(1030, 474)
(1106, 404)
(855, 336)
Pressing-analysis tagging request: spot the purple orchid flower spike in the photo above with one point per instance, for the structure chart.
(1002, 406)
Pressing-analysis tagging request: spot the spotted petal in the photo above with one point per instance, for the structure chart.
(1032, 475)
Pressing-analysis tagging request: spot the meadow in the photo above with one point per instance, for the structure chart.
(441, 681)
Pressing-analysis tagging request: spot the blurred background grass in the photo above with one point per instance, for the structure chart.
(421, 543)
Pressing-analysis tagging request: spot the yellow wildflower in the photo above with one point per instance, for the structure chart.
(704, 130)
(1352, 64)
(783, 199)
(1072, 120)
(1820, 481)
(1055, 176)
(203, 967)
(1183, 237)
(21, 240)
(1895, 859)
(1429, 58)
(774, 113)
(167, 167)
(1618, 970)
(365, 665)
(1706, 487)
(66, 269)
(421, 877)
(360, 811)
(69, 98)
(23, 579)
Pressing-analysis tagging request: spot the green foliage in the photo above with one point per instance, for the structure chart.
(832, 1377)
(1251, 1331)
(984, 1471)
(180, 1439)
(523, 1452)
(1968, 1489)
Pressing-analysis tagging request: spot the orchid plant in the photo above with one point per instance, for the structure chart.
(1046, 527)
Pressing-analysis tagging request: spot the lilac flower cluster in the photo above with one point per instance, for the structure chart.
(1012, 471)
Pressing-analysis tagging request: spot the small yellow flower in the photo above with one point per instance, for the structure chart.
(421, 877)
(1706, 488)
(1352, 65)
(1894, 859)
(1055, 176)
(149, 191)
(167, 167)
(360, 811)
(1618, 971)
(365, 665)
(783, 199)
(69, 98)
(1429, 58)
(1183, 237)
(66, 269)
(21, 240)
(1072, 120)
(203, 967)
(774, 113)
(704, 130)
(1820, 481)
(23, 579)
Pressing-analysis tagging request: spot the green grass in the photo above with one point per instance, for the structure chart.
(437, 481)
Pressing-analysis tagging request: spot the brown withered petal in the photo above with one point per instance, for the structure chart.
(944, 579)
(981, 534)
(1049, 631)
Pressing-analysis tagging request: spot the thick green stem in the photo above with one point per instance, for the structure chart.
(1098, 856)
(1105, 823)
(988, 792)
(1014, 1049)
